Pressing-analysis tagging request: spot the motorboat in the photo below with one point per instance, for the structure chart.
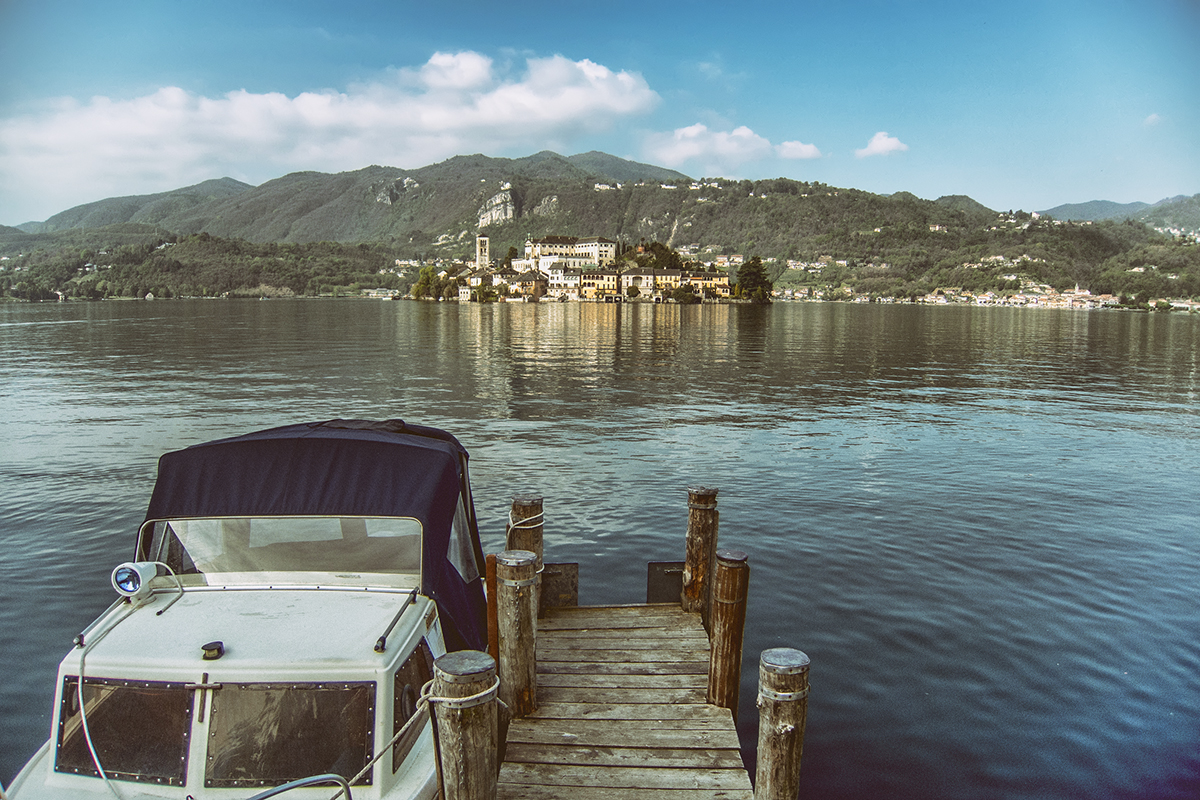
(288, 593)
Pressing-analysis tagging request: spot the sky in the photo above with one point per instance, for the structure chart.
(1020, 105)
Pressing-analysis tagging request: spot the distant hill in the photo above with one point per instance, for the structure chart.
(619, 170)
(973, 209)
(1180, 213)
(147, 208)
(1096, 210)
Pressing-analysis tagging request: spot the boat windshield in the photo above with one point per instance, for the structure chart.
(288, 544)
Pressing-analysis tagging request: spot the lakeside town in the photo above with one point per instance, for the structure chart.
(589, 269)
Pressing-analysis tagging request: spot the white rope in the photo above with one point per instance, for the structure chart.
(422, 704)
(461, 702)
(527, 523)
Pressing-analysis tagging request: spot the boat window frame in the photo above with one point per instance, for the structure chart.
(421, 658)
(68, 708)
(368, 744)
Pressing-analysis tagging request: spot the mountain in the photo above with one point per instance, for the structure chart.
(1179, 213)
(1096, 210)
(973, 209)
(147, 208)
(619, 170)
(433, 204)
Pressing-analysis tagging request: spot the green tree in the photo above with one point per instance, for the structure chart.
(752, 281)
(685, 295)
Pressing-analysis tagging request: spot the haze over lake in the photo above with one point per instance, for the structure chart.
(981, 524)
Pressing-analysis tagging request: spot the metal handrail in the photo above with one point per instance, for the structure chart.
(312, 780)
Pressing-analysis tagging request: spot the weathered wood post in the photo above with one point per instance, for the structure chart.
(525, 532)
(466, 727)
(782, 709)
(516, 573)
(731, 584)
(701, 551)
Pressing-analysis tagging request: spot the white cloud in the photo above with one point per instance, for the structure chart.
(797, 150)
(719, 152)
(1152, 120)
(881, 145)
(71, 152)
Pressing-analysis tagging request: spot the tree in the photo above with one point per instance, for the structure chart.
(685, 295)
(752, 282)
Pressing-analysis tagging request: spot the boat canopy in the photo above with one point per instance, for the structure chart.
(339, 469)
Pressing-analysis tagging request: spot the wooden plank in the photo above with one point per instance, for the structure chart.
(608, 615)
(585, 655)
(556, 624)
(636, 668)
(622, 713)
(629, 638)
(626, 608)
(528, 792)
(675, 714)
(620, 733)
(647, 682)
(565, 775)
(592, 694)
(610, 756)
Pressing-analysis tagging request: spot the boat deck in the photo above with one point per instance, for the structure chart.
(622, 712)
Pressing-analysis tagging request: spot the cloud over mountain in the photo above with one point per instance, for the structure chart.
(455, 103)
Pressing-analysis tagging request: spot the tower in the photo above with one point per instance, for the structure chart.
(483, 255)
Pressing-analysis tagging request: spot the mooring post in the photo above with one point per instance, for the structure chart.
(516, 605)
(731, 583)
(464, 696)
(525, 532)
(782, 709)
(701, 551)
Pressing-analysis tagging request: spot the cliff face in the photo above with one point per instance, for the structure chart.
(393, 191)
(500, 207)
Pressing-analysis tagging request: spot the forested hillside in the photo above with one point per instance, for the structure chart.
(310, 233)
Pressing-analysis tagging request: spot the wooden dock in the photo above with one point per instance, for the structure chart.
(622, 712)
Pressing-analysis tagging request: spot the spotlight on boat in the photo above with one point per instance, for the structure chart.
(132, 579)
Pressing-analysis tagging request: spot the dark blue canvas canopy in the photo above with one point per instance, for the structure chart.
(339, 468)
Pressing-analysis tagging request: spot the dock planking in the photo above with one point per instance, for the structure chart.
(622, 712)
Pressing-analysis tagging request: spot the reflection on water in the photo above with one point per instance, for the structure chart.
(980, 523)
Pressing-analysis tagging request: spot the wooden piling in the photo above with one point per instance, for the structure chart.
(782, 710)
(516, 605)
(464, 697)
(701, 551)
(731, 583)
(525, 532)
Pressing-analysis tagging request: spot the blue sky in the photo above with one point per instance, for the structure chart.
(1017, 104)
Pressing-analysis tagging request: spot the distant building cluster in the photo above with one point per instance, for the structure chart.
(569, 268)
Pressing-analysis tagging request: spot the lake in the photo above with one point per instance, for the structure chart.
(981, 524)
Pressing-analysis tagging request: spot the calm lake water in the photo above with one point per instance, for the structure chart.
(982, 525)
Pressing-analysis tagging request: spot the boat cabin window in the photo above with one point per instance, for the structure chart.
(289, 544)
(416, 671)
(140, 730)
(266, 734)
